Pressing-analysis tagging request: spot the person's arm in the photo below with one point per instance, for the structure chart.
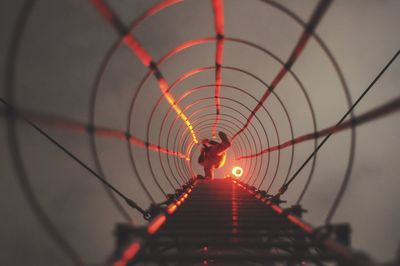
(225, 141)
(224, 145)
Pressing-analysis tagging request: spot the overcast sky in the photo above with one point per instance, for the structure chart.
(63, 46)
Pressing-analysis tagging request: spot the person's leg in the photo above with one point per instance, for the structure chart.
(212, 172)
(208, 171)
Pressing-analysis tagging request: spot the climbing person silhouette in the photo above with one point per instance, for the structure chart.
(213, 155)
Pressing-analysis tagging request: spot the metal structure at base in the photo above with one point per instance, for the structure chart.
(225, 222)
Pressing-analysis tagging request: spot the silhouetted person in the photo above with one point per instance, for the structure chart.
(213, 154)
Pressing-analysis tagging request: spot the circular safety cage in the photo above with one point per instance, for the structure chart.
(107, 105)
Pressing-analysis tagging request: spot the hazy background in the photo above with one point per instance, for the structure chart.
(63, 45)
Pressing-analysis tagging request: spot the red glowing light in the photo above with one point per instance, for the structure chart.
(171, 208)
(128, 254)
(218, 8)
(302, 224)
(156, 223)
(276, 208)
(237, 171)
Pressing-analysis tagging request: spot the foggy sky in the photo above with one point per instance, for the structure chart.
(63, 45)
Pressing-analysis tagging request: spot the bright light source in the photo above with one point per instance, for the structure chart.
(237, 171)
